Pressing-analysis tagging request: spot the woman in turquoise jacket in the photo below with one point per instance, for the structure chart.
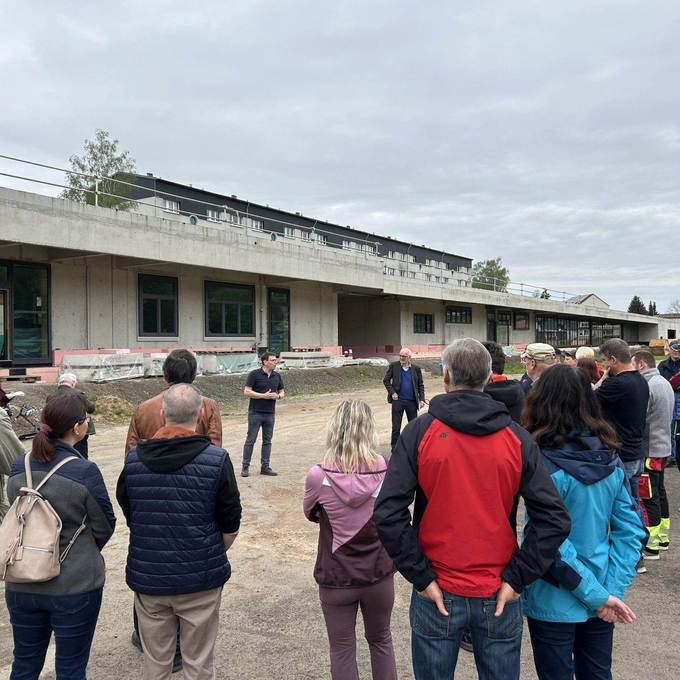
(571, 610)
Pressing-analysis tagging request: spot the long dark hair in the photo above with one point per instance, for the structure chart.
(61, 414)
(561, 406)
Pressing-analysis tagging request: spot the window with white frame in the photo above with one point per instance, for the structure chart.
(411, 275)
(213, 214)
(304, 235)
(289, 232)
(321, 239)
(170, 205)
(389, 271)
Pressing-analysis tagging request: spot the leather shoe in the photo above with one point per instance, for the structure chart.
(268, 472)
(244, 471)
(136, 642)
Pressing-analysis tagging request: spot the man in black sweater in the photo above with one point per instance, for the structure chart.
(623, 394)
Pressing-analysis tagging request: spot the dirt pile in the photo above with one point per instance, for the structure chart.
(117, 400)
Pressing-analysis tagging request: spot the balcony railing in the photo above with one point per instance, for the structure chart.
(167, 205)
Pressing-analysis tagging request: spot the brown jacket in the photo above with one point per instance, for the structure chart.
(146, 421)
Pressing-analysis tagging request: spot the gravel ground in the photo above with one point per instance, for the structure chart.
(271, 622)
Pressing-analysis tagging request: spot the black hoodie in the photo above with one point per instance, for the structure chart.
(466, 463)
(510, 393)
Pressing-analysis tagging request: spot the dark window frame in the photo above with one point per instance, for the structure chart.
(141, 297)
(524, 317)
(206, 302)
(458, 314)
(32, 361)
(428, 323)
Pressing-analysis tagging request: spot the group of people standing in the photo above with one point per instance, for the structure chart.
(575, 460)
(462, 467)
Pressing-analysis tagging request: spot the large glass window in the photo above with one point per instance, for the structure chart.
(229, 309)
(30, 313)
(157, 305)
(458, 314)
(423, 323)
(521, 321)
(570, 332)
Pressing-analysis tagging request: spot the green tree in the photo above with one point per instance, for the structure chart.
(101, 160)
(637, 306)
(651, 309)
(490, 275)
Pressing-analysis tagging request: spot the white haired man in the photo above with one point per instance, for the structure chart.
(66, 384)
(405, 391)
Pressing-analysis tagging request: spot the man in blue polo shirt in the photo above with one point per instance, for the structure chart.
(264, 386)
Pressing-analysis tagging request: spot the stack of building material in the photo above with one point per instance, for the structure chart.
(306, 359)
(104, 367)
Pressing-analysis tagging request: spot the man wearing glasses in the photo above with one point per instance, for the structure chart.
(405, 391)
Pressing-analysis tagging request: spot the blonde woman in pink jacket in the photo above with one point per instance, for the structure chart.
(352, 568)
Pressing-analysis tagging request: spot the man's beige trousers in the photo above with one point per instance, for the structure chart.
(198, 617)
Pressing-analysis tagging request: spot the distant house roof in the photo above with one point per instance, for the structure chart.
(669, 316)
(582, 299)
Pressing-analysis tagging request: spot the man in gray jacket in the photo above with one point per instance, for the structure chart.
(657, 443)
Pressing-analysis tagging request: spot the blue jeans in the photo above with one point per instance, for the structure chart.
(435, 639)
(255, 422)
(633, 469)
(564, 649)
(73, 619)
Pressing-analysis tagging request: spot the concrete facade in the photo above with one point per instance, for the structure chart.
(339, 297)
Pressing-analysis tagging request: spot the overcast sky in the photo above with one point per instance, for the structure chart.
(546, 133)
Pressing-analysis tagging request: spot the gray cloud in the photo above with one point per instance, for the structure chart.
(545, 133)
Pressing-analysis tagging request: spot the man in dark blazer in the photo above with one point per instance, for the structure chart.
(405, 391)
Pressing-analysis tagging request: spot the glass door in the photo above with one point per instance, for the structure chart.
(491, 326)
(279, 320)
(4, 336)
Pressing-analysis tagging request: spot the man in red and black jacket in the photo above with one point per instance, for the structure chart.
(467, 463)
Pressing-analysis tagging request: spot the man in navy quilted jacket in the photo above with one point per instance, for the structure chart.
(181, 502)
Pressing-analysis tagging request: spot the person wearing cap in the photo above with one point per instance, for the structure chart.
(624, 394)
(537, 358)
(670, 369)
(569, 357)
(67, 384)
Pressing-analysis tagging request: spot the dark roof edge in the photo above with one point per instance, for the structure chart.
(291, 214)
